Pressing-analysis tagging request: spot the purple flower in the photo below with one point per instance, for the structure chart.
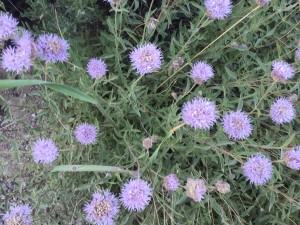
(26, 42)
(15, 59)
(292, 158)
(44, 151)
(52, 48)
(218, 9)
(103, 208)
(262, 2)
(19, 214)
(258, 169)
(200, 113)
(237, 125)
(8, 26)
(96, 68)
(201, 72)
(146, 58)
(297, 54)
(281, 71)
(195, 189)
(85, 133)
(136, 195)
(171, 182)
(282, 111)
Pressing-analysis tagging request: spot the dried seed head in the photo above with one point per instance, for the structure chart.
(222, 187)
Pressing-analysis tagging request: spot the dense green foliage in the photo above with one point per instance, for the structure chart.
(240, 48)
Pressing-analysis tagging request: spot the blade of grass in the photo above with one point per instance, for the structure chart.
(92, 168)
(66, 90)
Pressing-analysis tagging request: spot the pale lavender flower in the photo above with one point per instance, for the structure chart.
(146, 58)
(15, 59)
(201, 72)
(292, 158)
(237, 125)
(200, 113)
(282, 111)
(44, 151)
(258, 169)
(218, 9)
(85, 133)
(297, 54)
(103, 208)
(19, 214)
(115, 2)
(96, 68)
(171, 182)
(26, 42)
(281, 71)
(262, 2)
(52, 48)
(195, 189)
(136, 194)
(8, 26)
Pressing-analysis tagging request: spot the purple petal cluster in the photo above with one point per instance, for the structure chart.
(44, 151)
(51, 48)
(237, 125)
(85, 133)
(8, 26)
(201, 72)
(292, 158)
(195, 189)
(171, 182)
(218, 9)
(200, 113)
(19, 214)
(103, 208)
(262, 2)
(146, 58)
(258, 169)
(281, 71)
(282, 111)
(136, 194)
(96, 68)
(297, 54)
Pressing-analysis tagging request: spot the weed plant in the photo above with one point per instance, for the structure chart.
(126, 108)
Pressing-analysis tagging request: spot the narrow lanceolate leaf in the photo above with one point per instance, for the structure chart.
(92, 168)
(59, 88)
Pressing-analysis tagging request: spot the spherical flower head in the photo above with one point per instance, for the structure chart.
(195, 189)
(201, 72)
(292, 158)
(25, 41)
(96, 68)
(222, 187)
(297, 54)
(282, 111)
(146, 59)
(262, 2)
(237, 125)
(85, 133)
(218, 9)
(52, 48)
(171, 182)
(103, 208)
(44, 151)
(281, 71)
(15, 59)
(8, 26)
(200, 113)
(258, 169)
(18, 215)
(136, 194)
